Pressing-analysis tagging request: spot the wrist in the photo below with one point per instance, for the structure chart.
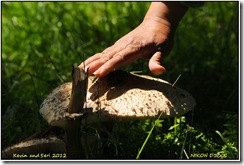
(169, 13)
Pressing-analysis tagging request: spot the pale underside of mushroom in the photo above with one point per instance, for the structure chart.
(119, 96)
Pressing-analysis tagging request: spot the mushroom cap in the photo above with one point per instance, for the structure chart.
(44, 146)
(54, 107)
(120, 96)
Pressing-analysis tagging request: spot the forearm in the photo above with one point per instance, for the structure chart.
(167, 12)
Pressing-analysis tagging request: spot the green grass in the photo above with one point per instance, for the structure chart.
(41, 41)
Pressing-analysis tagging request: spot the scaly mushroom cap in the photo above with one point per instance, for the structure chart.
(120, 96)
(54, 107)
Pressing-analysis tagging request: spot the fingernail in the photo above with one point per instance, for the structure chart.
(159, 71)
(81, 65)
(97, 73)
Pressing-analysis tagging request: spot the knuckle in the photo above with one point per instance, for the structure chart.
(119, 57)
(104, 58)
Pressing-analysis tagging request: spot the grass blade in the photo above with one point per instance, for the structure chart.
(225, 141)
(146, 140)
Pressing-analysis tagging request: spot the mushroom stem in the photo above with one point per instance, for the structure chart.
(78, 95)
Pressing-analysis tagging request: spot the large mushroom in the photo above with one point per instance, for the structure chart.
(119, 96)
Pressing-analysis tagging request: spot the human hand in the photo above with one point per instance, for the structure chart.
(151, 40)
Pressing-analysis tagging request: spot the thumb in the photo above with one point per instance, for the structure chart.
(154, 64)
